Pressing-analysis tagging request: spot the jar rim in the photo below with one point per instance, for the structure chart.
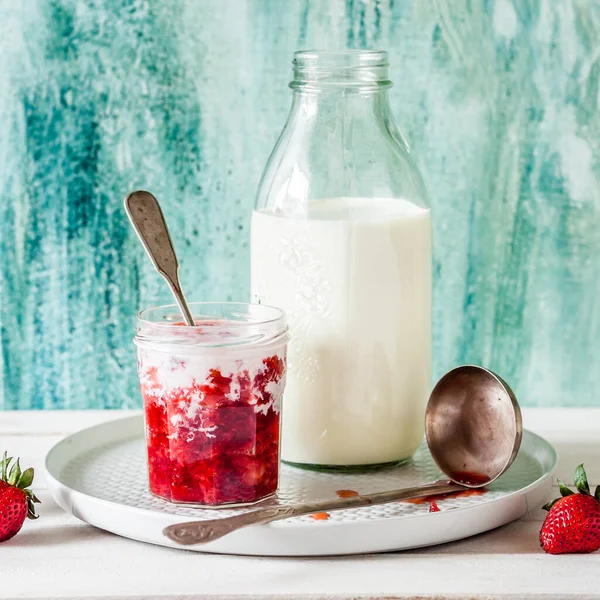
(218, 325)
(174, 311)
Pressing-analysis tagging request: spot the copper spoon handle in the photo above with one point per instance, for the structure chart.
(149, 223)
(199, 532)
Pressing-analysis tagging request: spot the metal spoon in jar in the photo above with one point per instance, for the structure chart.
(149, 223)
(473, 427)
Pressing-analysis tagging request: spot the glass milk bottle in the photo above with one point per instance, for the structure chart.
(341, 240)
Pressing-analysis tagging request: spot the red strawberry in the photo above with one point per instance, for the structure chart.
(16, 501)
(572, 524)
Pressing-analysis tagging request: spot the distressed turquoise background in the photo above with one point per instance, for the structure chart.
(499, 100)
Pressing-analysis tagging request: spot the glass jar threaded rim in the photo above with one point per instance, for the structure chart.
(322, 69)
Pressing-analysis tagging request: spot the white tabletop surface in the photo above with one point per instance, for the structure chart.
(58, 556)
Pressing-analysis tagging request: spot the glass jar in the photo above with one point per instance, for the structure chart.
(341, 240)
(212, 396)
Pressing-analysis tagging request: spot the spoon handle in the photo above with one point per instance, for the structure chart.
(149, 223)
(197, 532)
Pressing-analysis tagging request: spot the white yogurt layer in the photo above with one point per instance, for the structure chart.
(162, 375)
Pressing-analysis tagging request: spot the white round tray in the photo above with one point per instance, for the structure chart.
(99, 476)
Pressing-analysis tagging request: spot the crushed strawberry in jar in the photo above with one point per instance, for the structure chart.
(211, 395)
(212, 431)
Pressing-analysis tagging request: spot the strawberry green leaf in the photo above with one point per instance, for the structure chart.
(580, 480)
(564, 490)
(15, 474)
(31, 496)
(5, 462)
(550, 504)
(597, 493)
(26, 478)
(31, 510)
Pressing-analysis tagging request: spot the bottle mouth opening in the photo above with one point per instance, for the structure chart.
(346, 68)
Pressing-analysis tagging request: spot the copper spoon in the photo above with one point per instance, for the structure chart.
(473, 427)
(149, 223)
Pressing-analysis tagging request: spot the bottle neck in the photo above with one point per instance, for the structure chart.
(338, 88)
(342, 107)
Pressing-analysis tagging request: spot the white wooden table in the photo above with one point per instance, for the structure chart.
(60, 557)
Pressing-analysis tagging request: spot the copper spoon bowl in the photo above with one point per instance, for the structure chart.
(473, 427)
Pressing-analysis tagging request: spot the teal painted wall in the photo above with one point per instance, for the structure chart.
(498, 99)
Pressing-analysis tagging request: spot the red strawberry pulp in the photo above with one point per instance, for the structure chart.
(212, 433)
(436, 497)
(346, 494)
(470, 478)
(320, 516)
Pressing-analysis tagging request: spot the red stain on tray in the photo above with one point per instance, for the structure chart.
(346, 494)
(320, 516)
(433, 507)
(436, 497)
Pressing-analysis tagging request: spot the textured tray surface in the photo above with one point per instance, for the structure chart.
(116, 472)
(99, 475)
